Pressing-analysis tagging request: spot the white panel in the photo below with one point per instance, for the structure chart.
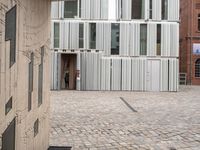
(104, 9)
(165, 40)
(134, 39)
(116, 74)
(173, 10)
(55, 9)
(153, 75)
(156, 9)
(151, 39)
(164, 74)
(126, 9)
(174, 40)
(105, 73)
(74, 35)
(126, 74)
(124, 39)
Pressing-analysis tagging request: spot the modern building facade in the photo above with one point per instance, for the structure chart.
(190, 40)
(130, 45)
(24, 78)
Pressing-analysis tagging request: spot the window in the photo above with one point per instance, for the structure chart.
(159, 39)
(81, 35)
(8, 106)
(92, 35)
(164, 9)
(115, 34)
(199, 22)
(40, 78)
(56, 34)
(70, 9)
(143, 39)
(197, 68)
(10, 33)
(30, 82)
(150, 9)
(36, 127)
(138, 9)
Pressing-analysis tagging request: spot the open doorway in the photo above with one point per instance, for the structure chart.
(68, 71)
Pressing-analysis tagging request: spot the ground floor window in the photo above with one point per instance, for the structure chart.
(197, 68)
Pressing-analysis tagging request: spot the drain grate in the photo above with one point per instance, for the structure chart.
(59, 148)
(128, 105)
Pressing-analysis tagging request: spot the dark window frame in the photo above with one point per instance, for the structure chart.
(30, 81)
(116, 37)
(36, 127)
(143, 39)
(9, 106)
(10, 32)
(197, 68)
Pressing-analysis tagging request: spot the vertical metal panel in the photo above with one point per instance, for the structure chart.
(105, 73)
(126, 74)
(151, 39)
(124, 39)
(116, 74)
(134, 39)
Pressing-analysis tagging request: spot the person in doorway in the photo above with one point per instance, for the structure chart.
(67, 79)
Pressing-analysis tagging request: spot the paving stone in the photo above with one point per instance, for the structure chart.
(100, 120)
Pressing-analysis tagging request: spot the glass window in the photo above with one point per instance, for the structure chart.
(143, 39)
(138, 9)
(164, 9)
(30, 82)
(40, 78)
(8, 106)
(199, 22)
(81, 35)
(10, 33)
(197, 68)
(115, 34)
(150, 9)
(71, 9)
(93, 36)
(56, 34)
(36, 127)
(159, 39)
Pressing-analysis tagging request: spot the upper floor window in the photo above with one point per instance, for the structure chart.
(159, 39)
(71, 9)
(92, 35)
(199, 22)
(197, 68)
(115, 34)
(143, 39)
(10, 33)
(164, 9)
(56, 34)
(138, 7)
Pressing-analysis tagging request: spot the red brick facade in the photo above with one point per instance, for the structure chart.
(189, 34)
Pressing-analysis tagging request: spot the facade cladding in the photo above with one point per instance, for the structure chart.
(130, 45)
(24, 83)
(190, 40)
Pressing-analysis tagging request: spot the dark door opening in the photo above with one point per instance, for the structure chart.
(8, 137)
(68, 71)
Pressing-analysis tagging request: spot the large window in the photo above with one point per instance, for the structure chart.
(56, 34)
(10, 33)
(71, 9)
(115, 34)
(159, 39)
(199, 22)
(197, 68)
(150, 9)
(30, 82)
(143, 39)
(81, 35)
(164, 9)
(40, 78)
(138, 9)
(93, 36)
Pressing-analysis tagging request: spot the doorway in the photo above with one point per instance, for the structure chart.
(8, 137)
(153, 75)
(68, 71)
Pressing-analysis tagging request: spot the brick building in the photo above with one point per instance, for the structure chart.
(190, 40)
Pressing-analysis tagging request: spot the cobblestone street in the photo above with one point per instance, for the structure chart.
(126, 120)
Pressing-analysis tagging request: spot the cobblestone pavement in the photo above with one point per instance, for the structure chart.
(126, 120)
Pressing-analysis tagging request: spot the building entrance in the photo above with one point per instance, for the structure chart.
(68, 71)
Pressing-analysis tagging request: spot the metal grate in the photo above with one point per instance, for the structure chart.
(182, 78)
(197, 68)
